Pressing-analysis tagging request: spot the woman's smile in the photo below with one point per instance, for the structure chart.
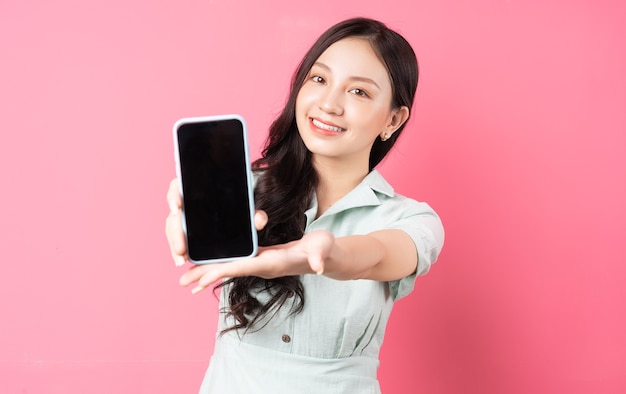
(326, 128)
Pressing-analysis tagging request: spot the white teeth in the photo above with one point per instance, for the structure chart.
(324, 126)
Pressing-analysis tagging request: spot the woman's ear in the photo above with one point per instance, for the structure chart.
(397, 118)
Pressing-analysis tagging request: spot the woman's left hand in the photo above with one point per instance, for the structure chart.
(303, 256)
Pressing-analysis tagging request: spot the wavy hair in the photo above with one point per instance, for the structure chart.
(287, 179)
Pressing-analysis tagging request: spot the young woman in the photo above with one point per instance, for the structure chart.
(308, 314)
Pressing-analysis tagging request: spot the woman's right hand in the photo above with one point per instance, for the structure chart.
(174, 224)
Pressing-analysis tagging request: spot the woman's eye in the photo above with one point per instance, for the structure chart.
(359, 92)
(317, 78)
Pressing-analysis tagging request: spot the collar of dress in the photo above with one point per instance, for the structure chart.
(364, 194)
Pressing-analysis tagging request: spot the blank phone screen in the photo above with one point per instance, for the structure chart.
(216, 200)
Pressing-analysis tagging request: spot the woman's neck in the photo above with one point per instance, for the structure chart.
(336, 179)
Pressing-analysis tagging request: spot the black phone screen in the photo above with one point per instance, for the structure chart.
(216, 202)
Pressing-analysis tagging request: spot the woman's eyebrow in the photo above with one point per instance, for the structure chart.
(354, 78)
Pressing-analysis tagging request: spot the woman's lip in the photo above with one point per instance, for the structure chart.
(321, 123)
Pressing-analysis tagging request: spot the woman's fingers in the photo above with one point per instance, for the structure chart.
(318, 246)
(176, 238)
(206, 274)
(263, 265)
(174, 225)
(316, 262)
(194, 275)
(174, 200)
(260, 219)
(303, 256)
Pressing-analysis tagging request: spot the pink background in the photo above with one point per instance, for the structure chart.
(518, 140)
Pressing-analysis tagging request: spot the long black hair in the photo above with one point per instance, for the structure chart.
(287, 178)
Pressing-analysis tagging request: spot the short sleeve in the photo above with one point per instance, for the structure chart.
(424, 227)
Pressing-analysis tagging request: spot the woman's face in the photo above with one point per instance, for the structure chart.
(345, 103)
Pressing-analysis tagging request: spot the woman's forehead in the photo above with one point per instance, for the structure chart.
(354, 57)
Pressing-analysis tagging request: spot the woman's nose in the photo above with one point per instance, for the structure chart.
(331, 101)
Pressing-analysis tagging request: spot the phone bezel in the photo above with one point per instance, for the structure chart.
(249, 180)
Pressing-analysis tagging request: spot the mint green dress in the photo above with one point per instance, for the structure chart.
(332, 346)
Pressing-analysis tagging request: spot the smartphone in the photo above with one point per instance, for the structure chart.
(215, 182)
